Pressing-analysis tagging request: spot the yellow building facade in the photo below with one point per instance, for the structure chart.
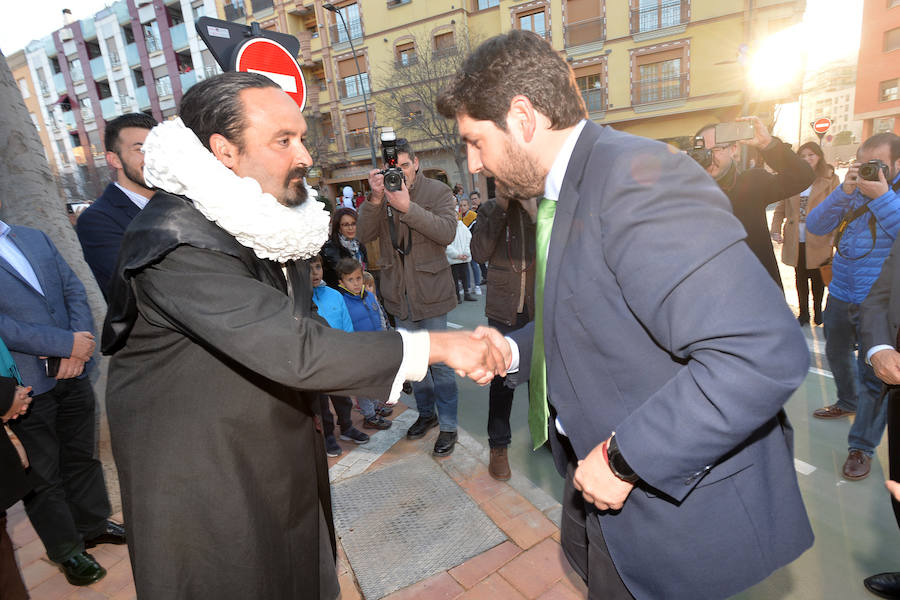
(18, 65)
(655, 68)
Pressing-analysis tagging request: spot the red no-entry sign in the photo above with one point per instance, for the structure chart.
(266, 57)
(821, 125)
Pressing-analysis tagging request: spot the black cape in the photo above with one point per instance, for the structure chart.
(223, 473)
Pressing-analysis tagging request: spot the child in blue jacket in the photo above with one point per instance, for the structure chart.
(366, 316)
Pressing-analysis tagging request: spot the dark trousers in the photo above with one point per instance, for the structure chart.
(893, 427)
(500, 396)
(11, 585)
(342, 406)
(583, 544)
(460, 273)
(58, 436)
(803, 277)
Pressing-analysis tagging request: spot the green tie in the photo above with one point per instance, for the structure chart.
(538, 412)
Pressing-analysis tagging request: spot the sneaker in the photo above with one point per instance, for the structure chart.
(407, 388)
(477, 290)
(377, 422)
(331, 446)
(469, 297)
(354, 435)
(384, 410)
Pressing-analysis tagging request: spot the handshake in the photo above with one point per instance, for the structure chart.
(479, 354)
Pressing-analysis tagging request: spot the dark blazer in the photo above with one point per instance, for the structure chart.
(34, 325)
(100, 229)
(661, 325)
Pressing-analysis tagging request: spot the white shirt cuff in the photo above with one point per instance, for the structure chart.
(514, 349)
(875, 349)
(414, 366)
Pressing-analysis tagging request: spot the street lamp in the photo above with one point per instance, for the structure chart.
(331, 7)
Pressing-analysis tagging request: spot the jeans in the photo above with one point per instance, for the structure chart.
(500, 396)
(58, 436)
(437, 391)
(476, 272)
(857, 386)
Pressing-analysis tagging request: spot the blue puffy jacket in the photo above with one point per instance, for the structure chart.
(332, 307)
(853, 273)
(364, 310)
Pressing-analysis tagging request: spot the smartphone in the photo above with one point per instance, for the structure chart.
(732, 132)
(51, 366)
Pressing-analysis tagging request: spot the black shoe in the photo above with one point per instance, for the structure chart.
(884, 585)
(113, 534)
(803, 319)
(443, 446)
(470, 298)
(332, 448)
(407, 388)
(385, 410)
(421, 427)
(817, 319)
(377, 422)
(354, 435)
(82, 569)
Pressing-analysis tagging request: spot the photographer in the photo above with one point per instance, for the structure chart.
(412, 227)
(751, 191)
(864, 213)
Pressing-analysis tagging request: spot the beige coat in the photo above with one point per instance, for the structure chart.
(818, 247)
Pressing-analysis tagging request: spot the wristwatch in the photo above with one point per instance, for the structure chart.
(617, 462)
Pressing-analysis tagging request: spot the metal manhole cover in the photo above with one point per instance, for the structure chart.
(406, 522)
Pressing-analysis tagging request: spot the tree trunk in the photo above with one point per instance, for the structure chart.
(28, 192)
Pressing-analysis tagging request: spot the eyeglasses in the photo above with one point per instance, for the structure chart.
(353, 224)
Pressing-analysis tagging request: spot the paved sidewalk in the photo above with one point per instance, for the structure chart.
(529, 564)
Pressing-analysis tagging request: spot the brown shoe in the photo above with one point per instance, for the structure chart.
(832, 412)
(857, 465)
(499, 467)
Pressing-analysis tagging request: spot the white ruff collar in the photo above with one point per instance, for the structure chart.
(176, 161)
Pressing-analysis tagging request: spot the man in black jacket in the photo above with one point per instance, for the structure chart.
(504, 238)
(751, 191)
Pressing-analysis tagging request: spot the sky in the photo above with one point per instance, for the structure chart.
(26, 20)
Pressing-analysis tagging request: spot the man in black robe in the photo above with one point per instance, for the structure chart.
(223, 471)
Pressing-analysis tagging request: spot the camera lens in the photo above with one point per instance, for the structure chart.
(393, 180)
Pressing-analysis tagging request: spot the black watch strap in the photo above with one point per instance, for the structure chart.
(620, 468)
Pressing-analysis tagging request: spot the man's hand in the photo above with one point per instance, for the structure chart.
(761, 137)
(83, 346)
(20, 403)
(476, 358)
(498, 341)
(887, 366)
(873, 189)
(851, 179)
(894, 488)
(598, 484)
(376, 183)
(69, 368)
(399, 200)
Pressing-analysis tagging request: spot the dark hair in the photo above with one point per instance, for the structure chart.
(214, 106)
(704, 128)
(878, 140)
(345, 266)
(508, 65)
(823, 169)
(403, 146)
(316, 257)
(336, 220)
(474, 192)
(111, 136)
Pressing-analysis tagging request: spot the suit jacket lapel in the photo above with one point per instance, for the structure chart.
(35, 265)
(569, 197)
(120, 200)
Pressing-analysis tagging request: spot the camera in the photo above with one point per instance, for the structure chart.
(700, 152)
(393, 176)
(869, 170)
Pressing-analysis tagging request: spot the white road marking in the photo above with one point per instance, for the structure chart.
(822, 372)
(454, 325)
(802, 467)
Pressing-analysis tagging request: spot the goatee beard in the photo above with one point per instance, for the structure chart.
(295, 192)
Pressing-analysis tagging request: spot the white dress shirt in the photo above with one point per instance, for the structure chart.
(11, 253)
(139, 200)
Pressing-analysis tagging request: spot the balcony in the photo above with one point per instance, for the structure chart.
(131, 55)
(588, 34)
(59, 82)
(77, 75)
(87, 114)
(358, 141)
(179, 36)
(187, 80)
(594, 100)
(163, 87)
(668, 18)
(109, 108)
(143, 98)
(338, 34)
(114, 60)
(235, 12)
(45, 89)
(444, 52)
(98, 68)
(349, 88)
(406, 60)
(659, 89)
(154, 44)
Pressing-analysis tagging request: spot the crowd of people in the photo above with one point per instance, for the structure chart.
(243, 321)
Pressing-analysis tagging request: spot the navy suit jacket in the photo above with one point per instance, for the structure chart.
(100, 229)
(661, 325)
(34, 325)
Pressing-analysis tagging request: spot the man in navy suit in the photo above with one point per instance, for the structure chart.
(663, 347)
(44, 314)
(101, 226)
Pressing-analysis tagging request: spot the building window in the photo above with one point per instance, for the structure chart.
(889, 90)
(235, 10)
(138, 77)
(358, 130)
(584, 22)
(259, 5)
(353, 21)
(892, 39)
(413, 111)
(535, 21)
(34, 119)
(660, 76)
(349, 85)
(42, 81)
(592, 91)
(406, 54)
(444, 44)
(483, 4)
(23, 87)
(151, 36)
(112, 52)
(164, 86)
(54, 65)
(651, 15)
(75, 70)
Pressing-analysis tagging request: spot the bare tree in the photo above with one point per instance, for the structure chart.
(409, 90)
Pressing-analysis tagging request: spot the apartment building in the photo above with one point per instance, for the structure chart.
(134, 55)
(878, 68)
(657, 68)
(22, 74)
